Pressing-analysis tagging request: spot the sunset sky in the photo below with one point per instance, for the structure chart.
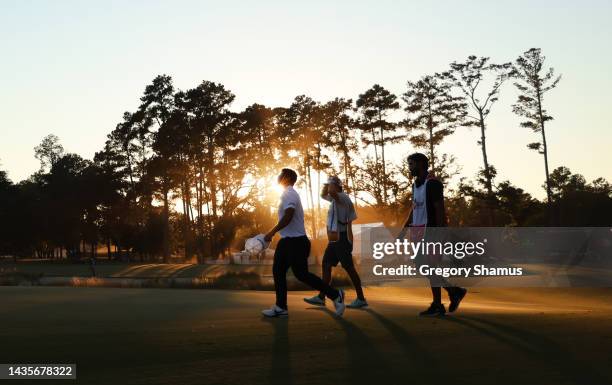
(72, 68)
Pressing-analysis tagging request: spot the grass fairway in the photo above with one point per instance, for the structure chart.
(132, 270)
(165, 336)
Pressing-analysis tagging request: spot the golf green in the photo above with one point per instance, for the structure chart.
(185, 336)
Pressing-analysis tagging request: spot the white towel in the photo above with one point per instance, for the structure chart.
(332, 221)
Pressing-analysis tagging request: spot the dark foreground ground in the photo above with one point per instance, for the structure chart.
(173, 336)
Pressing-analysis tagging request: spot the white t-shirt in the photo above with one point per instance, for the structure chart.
(339, 215)
(295, 228)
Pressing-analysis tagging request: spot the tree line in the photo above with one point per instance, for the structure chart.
(188, 148)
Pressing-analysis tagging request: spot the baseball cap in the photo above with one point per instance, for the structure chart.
(334, 180)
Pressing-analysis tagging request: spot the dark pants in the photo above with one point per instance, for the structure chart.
(293, 252)
(341, 251)
(436, 282)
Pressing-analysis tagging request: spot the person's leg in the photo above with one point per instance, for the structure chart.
(279, 271)
(354, 276)
(326, 270)
(450, 290)
(344, 253)
(455, 295)
(299, 265)
(437, 282)
(436, 308)
(329, 261)
(436, 293)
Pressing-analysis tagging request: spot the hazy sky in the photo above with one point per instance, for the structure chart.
(73, 67)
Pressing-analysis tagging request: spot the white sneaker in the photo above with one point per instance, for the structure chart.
(316, 300)
(357, 304)
(275, 311)
(339, 303)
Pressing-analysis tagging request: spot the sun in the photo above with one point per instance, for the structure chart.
(271, 191)
(278, 189)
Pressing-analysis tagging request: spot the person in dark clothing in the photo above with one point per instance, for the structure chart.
(428, 211)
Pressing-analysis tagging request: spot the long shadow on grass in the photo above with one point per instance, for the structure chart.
(422, 364)
(366, 364)
(537, 346)
(280, 371)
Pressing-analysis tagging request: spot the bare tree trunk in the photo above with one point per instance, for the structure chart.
(545, 153)
(166, 240)
(352, 171)
(318, 187)
(384, 164)
(186, 221)
(384, 168)
(130, 171)
(209, 222)
(312, 208)
(487, 173)
(374, 142)
(432, 159)
(348, 174)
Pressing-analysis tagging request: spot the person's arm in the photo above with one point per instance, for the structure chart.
(325, 193)
(436, 194)
(439, 213)
(335, 197)
(351, 217)
(404, 229)
(284, 221)
(406, 223)
(325, 190)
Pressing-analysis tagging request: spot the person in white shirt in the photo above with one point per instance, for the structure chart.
(293, 250)
(340, 215)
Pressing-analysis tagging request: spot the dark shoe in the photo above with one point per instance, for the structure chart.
(455, 298)
(435, 309)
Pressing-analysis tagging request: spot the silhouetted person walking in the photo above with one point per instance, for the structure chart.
(339, 249)
(428, 211)
(293, 249)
